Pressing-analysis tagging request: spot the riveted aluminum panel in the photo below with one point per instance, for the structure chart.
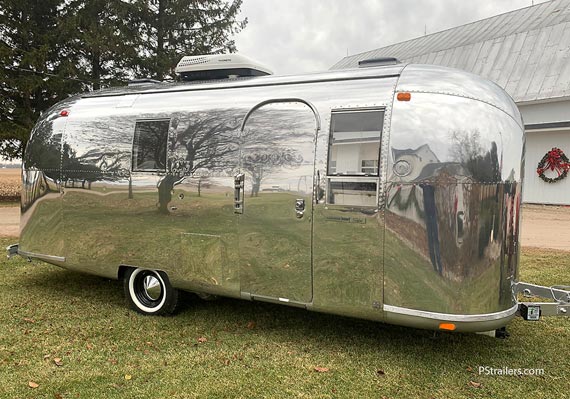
(452, 219)
(436, 79)
(41, 220)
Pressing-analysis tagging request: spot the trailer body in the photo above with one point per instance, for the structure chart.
(387, 193)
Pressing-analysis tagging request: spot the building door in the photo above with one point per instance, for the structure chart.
(275, 227)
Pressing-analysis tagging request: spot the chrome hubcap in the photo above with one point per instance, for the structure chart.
(152, 288)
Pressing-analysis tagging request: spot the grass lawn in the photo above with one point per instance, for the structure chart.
(231, 348)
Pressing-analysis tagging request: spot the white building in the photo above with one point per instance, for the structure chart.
(527, 52)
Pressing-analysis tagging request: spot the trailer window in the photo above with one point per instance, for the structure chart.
(149, 145)
(354, 149)
(354, 143)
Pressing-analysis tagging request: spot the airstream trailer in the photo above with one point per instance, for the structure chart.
(389, 192)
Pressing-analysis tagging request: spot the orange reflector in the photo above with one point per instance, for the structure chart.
(447, 326)
(405, 96)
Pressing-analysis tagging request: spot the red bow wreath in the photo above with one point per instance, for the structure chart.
(553, 160)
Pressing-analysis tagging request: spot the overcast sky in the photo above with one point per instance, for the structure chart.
(296, 36)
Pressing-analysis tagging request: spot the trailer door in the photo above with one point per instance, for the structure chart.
(275, 225)
(348, 225)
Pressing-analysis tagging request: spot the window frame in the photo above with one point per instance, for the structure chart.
(330, 141)
(363, 178)
(134, 168)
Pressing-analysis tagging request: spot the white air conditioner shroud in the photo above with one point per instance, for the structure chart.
(200, 63)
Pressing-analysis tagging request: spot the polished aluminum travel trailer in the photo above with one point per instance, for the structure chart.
(389, 193)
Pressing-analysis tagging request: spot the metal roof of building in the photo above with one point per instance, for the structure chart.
(526, 51)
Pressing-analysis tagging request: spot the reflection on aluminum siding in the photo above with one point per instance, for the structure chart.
(452, 212)
(41, 222)
(436, 79)
(278, 142)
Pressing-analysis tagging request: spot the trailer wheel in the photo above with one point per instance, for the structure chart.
(149, 292)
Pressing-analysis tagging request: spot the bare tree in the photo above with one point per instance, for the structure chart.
(467, 148)
(201, 141)
(262, 162)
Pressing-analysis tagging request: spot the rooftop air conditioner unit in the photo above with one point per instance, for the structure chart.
(221, 66)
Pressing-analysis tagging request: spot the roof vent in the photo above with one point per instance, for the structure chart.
(221, 66)
(382, 61)
(143, 81)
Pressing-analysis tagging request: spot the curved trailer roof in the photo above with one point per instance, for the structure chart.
(271, 80)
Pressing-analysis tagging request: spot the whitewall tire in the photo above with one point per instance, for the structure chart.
(149, 292)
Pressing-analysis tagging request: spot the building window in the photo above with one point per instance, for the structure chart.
(149, 145)
(354, 149)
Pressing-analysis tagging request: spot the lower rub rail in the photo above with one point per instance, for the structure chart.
(559, 294)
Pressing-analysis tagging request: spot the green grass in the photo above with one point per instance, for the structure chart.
(253, 350)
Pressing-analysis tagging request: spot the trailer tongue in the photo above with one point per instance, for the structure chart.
(531, 311)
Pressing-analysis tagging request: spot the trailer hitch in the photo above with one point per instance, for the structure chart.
(559, 295)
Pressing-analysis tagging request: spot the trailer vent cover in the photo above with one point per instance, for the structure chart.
(221, 66)
(382, 61)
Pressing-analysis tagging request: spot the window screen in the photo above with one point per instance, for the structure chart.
(355, 142)
(355, 192)
(149, 145)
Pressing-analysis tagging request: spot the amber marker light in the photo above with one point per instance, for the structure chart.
(447, 326)
(404, 96)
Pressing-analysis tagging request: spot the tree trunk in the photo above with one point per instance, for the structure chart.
(130, 187)
(160, 39)
(96, 69)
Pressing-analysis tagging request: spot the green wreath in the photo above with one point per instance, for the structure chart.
(554, 160)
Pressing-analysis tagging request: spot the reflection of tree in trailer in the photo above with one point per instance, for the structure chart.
(43, 163)
(269, 138)
(261, 163)
(108, 159)
(203, 141)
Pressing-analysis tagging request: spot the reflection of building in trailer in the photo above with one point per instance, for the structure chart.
(418, 203)
(329, 192)
(526, 52)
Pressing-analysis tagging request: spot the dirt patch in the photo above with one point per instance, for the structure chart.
(10, 184)
(9, 221)
(546, 226)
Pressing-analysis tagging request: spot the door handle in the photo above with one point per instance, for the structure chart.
(238, 193)
(299, 207)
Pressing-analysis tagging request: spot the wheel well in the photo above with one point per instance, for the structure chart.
(122, 270)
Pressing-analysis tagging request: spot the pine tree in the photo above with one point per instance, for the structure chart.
(104, 39)
(50, 49)
(33, 68)
(173, 28)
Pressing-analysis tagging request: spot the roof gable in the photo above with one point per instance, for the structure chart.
(526, 51)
